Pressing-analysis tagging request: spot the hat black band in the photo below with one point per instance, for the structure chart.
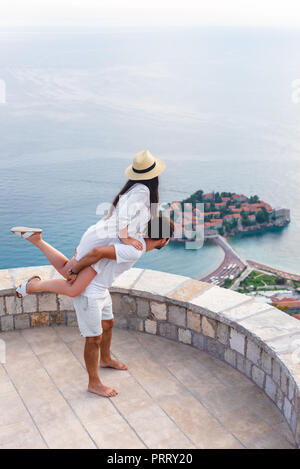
(140, 171)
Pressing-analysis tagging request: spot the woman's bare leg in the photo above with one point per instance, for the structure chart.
(63, 287)
(55, 257)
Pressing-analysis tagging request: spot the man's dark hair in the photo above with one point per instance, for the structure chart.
(160, 227)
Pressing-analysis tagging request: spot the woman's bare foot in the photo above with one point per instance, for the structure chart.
(31, 283)
(113, 364)
(101, 390)
(29, 286)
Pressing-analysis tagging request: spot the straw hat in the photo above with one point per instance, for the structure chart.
(144, 166)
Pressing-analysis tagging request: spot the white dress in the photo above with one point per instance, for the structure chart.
(132, 210)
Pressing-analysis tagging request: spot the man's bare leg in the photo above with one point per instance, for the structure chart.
(91, 357)
(106, 360)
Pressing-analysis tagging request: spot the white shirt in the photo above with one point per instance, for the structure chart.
(108, 269)
(133, 210)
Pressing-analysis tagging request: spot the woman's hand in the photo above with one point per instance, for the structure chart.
(133, 242)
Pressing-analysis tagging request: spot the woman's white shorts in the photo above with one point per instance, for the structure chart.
(91, 311)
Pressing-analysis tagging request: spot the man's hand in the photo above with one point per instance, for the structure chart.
(71, 277)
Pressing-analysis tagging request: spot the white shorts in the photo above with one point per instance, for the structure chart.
(90, 312)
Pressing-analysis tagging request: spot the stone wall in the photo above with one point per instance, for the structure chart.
(255, 338)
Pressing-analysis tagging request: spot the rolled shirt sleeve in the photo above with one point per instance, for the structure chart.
(133, 208)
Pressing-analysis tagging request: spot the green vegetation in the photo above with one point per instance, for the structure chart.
(228, 282)
(262, 216)
(257, 279)
(254, 199)
(197, 197)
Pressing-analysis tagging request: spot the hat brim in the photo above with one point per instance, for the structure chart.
(159, 168)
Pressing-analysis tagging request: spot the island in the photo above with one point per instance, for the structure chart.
(224, 213)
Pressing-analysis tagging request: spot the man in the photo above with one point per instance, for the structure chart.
(92, 302)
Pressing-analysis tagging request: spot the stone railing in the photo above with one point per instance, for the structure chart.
(258, 340)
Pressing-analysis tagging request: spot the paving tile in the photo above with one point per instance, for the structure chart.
(65, 432)
(113, 432)
(147, 420)
(21, 435)
(243, 423)
(44, 403)
(68, 334)
(196, 422)
(12, 409)
(43, 340)
(269, 440)
(91, 408)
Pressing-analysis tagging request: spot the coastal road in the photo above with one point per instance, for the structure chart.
(231, 267)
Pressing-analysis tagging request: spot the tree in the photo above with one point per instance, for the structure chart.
(218, 198)
(254, 199)
(227, 283)
(262, 217)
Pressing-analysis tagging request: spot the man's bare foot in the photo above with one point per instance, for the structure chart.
(113, 364)
(102, 390)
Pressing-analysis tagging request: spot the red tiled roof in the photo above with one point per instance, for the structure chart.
(211, 213)
(290, 303)
(216, 222)
(232, 215)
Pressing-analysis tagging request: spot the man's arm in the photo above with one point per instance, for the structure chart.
(94, 256)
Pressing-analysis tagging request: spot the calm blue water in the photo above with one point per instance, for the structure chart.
(216, 105)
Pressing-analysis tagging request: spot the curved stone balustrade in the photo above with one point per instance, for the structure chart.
(258, 340)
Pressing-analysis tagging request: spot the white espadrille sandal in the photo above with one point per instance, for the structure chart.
(21, 289)
(24, 231)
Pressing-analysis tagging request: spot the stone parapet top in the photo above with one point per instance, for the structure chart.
(264, 323)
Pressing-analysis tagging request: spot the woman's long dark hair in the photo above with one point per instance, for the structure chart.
(152, 185)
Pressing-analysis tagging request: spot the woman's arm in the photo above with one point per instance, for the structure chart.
(123, 236)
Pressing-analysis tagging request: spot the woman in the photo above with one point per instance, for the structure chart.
(129, 215)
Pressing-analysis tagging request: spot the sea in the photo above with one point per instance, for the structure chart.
(220, 106)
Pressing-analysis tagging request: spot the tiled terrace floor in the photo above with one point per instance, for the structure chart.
(173, 396)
